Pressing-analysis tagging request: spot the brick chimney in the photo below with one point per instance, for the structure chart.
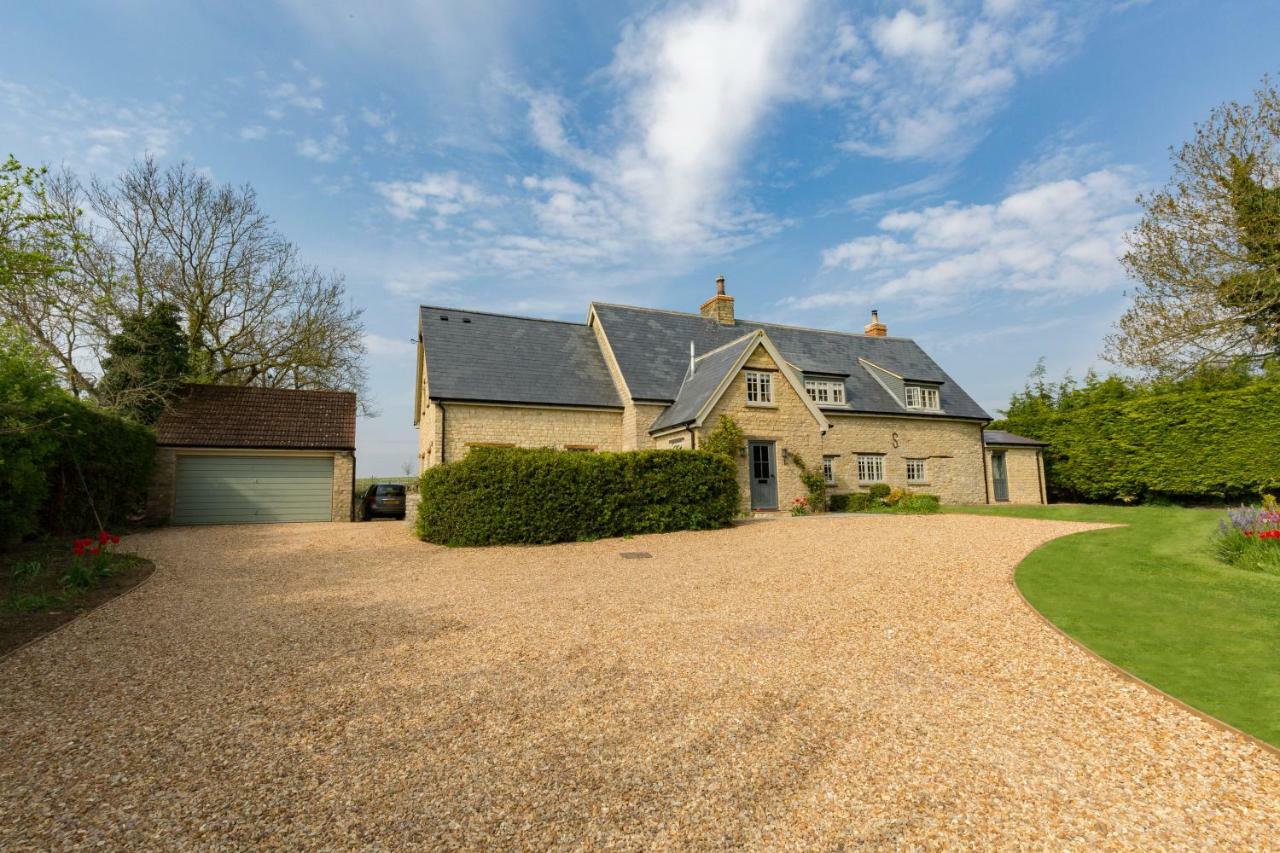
(720, 306)
(875, 328)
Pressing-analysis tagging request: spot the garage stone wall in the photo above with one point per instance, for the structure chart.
(160, 493)
(1025, 467)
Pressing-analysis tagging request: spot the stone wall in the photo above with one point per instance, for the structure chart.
(952, 451)
(1025, 472)
(526, 426)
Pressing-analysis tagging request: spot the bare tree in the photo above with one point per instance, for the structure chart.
(253, 312)
(1207, 252)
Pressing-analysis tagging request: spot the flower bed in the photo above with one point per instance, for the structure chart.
(1249, 538)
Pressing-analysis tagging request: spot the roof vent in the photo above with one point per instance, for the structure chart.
(466, 319)
(442, 317)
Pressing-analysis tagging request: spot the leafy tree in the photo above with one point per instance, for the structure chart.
(1207, 252)
(146, 363)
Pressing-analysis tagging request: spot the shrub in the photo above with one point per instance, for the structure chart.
(500, 496)
(49, 440)
(859, 502)
(727, 438)
(917, 504)
(838, 503)
(878, 491)
(814, 483)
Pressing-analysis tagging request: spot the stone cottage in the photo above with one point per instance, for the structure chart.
(864, 408)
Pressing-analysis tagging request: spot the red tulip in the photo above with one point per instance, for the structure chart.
(103, 537)
(115, 540)
(95, 551)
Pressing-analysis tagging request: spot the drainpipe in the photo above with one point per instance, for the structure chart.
(986, 482)
(1044, 495)
(693, 439)
(443, 444)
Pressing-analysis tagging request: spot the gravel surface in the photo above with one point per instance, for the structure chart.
(871, 681)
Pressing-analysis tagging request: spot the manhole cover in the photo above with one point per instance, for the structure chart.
(635, 555)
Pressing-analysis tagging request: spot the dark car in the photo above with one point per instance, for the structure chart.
(383, 500)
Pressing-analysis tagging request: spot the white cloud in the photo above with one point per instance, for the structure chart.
(89, 134)
(442, 193)
(381, 345)
(1056, 239)
(325, 149)
(253, 132)
(925, 83)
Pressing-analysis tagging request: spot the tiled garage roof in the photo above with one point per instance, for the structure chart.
(279, 418)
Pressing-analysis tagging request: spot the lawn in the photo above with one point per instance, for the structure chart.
(1151, 598)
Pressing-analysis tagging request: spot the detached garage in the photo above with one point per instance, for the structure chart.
(243, 455)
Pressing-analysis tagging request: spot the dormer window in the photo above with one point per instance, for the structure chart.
(759, 388)
(922, 397)
(825, 391)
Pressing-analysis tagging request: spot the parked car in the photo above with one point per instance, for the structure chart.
(382, 500)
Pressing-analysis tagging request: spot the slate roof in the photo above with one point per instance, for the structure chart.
(695, 391)
(474, 355)
(999, 437)
(266, 418)
(651, 347)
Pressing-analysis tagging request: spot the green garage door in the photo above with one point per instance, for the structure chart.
(238, 489)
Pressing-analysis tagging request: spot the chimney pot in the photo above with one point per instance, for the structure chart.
(875, 328)
(720, 306)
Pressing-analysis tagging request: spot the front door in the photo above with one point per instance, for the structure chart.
(764, 475)
(999, 475)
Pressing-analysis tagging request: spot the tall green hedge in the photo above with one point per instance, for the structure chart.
(45, 434)
(505, 496)
(1184, 444)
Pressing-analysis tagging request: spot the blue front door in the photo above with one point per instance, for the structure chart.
(764, 475)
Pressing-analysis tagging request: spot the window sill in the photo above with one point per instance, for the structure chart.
(919, 483)
(762, 405)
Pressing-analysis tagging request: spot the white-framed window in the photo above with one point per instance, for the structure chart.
(916, 472)
(829, 470)
(676, 443)
(922, 397)
(829, 391)
(870, 468)
(759, 387)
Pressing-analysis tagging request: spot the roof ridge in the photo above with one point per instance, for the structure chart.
(754, 322)
(499, 314)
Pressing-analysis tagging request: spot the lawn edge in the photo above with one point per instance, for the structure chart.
(155, 570)
(1116, 668)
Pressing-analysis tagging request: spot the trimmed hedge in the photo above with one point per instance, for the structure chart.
(1186, 444)
(499, 496)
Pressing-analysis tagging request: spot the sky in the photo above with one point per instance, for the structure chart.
(969, 169)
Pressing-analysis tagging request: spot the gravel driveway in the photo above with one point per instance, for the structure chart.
(812, 682)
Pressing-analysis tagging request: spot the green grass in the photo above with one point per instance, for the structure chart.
(1152, 599)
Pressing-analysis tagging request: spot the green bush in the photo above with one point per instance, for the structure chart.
(49, 441)
(878, 491)
(498, 496)
(838, 503)
(917, 504)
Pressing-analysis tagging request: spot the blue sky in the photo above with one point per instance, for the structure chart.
(969, 169)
